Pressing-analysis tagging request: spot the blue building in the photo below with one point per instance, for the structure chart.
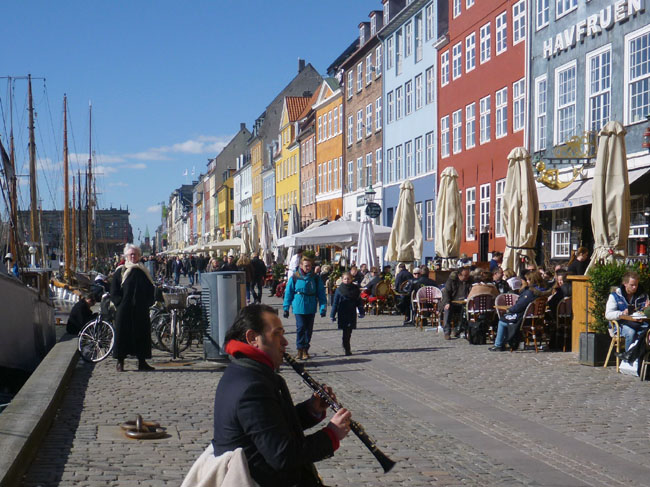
(408, 37)
(590, 63)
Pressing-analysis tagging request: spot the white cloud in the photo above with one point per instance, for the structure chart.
(203, 144)
(106, 170)
(118, 184)
(138, 165)
(154, 209)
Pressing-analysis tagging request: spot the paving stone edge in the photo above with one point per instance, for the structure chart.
(26, 421)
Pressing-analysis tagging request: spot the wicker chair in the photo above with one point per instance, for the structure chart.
(617, 340)
(564, 315)
(482, 305)
(379, 301)
(533, 324)
(506, 299)
(425, 305)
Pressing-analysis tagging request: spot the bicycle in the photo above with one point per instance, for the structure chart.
(178, 328)
(97, 338)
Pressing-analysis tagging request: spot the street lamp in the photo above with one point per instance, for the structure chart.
(370, 194)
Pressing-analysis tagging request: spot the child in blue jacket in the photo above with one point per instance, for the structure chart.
(346, 302)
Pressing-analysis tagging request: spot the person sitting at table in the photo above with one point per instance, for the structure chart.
(356, 275)
(623, 302)
(456, 288)
(513, 316)
(579, 262)
(500, 283)
(561, 289)
(402, 276)
(484, 285)
(370, 282)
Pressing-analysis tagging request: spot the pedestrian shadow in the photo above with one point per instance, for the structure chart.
(399, 350)
(337, 361)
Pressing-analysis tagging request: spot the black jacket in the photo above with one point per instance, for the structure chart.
(422, 281)
(401, 277)
(253, 410)
(80, 315)
(346, 302)
(455, 289)
(259, 268)
(515, 314)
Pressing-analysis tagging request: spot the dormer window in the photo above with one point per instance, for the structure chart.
(386, 12)
(362, 36)
(373, 25)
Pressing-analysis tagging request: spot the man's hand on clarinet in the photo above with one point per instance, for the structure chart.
(318, 405)
(340, 423)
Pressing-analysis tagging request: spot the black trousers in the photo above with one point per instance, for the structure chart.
(455, 313)
(347, 334)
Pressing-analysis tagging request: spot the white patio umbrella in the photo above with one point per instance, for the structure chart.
(405, 243)
(520, 210)
(366, 247)
(246, 240)
(342, 233)
(610, 209)
(255, 235)
(278, 233)
(293, 227)
(266, 240)
(449, 218)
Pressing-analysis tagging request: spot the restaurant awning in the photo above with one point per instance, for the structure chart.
(577, 194)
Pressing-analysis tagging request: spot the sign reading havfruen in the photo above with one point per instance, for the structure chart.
(619, 12)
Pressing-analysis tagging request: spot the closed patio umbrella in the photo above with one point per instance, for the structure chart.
(366, 248)
(520, 210)
(405, 242)
(610, 209)
(278, 229)
(266, 240)
(246, 240)
(292, 227)
(449, 218)
(255, 236)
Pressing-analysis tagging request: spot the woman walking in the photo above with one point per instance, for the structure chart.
(347, 300)
(132, 292)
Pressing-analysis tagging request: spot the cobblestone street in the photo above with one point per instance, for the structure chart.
(449, 413)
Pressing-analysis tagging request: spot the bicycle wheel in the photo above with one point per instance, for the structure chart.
(161, 321)
(165, 337)
(96, 341)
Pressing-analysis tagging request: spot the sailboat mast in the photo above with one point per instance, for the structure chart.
(66, 194)
(33, 195)
(79, 228)
(89, 200)
(74, 224)
(13, 192)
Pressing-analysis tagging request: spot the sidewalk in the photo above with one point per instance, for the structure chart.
(449, 413)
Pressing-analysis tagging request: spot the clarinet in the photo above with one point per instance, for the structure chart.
(334, 405)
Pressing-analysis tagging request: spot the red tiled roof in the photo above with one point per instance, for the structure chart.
(295, 106)
(310, 103)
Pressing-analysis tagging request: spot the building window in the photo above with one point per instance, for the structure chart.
(431, 219)
(378, 113)
(398, 52)
(458, 131)
(368, 119)
(469, 3)
(378, 61)
(563, 7)
(470, 125)
(518, 102)
(565, 103)
(457, 52)
(350, 129)
(336, 120)
(390, 52)
(444, 136)
(485, 208)
(408, 99)
(598, 88)
(485, 119)
(362, 35)
(359, 125)
(561, 234)
(359, 76)
(399, 102)
(368, 69)
(418, 214)
(408, 158)
(378, 163)
(350, 83)
(456, 8)
(368, 168)
(501, 113)
(386, 13)
(430, 22)
(430, 155)
(359, 172)
(470, 214)
(518, 22)
(418, 37)
(470, 52)
(340, 118)
(542, 13)
(390, 107)
(329, 124)
(502, 33)
(390, 166)
(430, 80)
(637, 69)
(350, 176)
(444, 70)
(340, 170)
(320, 178)
(399, 162)
(540, 113)
(320, 129)
(408, 39)
(329, 175)
(418, 91)
(373, 25)
(419, 169)
(486, 43)
(500, 188)
(337, 183)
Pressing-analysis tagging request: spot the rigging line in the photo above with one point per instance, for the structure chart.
(44, 176)
(49, 110)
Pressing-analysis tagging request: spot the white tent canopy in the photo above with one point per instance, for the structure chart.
(342, 233)
(231, 243)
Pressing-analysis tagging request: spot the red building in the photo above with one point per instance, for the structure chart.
(482, 110)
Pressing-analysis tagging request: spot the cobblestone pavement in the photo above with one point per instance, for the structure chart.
(449, 413)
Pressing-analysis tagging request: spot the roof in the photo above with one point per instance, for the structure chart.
(311, 102)
(295, 106)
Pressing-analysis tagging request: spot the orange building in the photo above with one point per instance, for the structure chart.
(329, 150)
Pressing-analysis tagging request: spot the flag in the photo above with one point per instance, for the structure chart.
(185, 173)
(6, 164)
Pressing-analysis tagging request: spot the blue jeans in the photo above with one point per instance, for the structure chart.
(631, 330)
(505, 332)
(304, 328)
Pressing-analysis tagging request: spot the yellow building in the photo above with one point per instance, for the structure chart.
(287, 155)
(225, 204)
(256, 178)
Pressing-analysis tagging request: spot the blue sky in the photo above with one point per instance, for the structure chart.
(169, 81)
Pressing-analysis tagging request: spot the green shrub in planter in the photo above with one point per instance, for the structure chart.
(310, 254)
(604, 277)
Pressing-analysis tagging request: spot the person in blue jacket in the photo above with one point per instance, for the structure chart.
(303, 292)
(346, 302)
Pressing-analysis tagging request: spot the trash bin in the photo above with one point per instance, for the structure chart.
(223, 294)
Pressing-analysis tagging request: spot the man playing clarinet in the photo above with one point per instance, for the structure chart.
(253, 408)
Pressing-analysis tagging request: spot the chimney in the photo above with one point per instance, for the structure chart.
(242, 126)
(301, 65)
(307, 94)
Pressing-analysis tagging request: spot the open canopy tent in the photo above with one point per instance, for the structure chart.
(342, 233)
(230, 243)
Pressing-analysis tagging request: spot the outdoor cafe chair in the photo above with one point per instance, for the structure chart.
(645, 360)
(532, 326)
(563, 317)
(482, 306)
(379, 300)
(425, 305)
(617, 340)
(505, 299)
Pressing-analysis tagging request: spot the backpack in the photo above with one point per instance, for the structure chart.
(477, 332)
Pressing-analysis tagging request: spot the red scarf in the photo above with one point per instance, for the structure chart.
(234, 347)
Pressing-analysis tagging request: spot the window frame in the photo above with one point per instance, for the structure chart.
(541, 114)
(418, 99)
(369, 120)
(518, 105)
(444, 68)
(470, 216)
(627, 79)
(589, 95)
(557, 106)
(457, 61)
(501, 36)
(501, 113)
(378, 114)
(457, 131)
(519, 22)
(499, 192)
(486, 42)
(470, 52)
(560, 12)
(470, 125)
(444, 137)
(543, 12)
(431, 219)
